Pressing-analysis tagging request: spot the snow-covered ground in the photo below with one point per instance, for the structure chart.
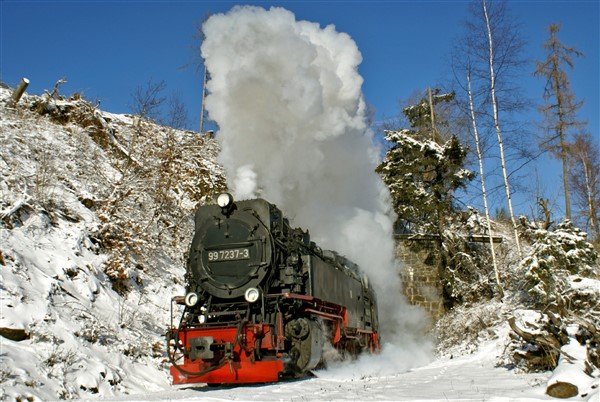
(83, 338)
(86, 341)
(471, 377)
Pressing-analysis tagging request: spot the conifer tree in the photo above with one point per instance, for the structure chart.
(421, 174)
(561, 107)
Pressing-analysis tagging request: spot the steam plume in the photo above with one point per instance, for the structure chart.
(286, 95)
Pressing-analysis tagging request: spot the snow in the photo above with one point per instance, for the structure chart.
(473, 377)
(571, 365)
(83, 337)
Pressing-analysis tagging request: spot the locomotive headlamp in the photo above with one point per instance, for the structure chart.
(224, 200)
(251, 295)
(191, 299)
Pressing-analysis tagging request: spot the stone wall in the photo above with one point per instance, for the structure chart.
(420, 273)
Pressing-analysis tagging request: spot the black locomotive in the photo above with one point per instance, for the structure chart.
(263, 300)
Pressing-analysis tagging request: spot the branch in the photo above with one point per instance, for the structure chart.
(10, 211)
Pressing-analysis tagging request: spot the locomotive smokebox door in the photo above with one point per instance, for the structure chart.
(231, 250)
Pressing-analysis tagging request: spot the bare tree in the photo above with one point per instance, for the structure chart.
(545, 203)
(561, 107)
(584, 175)
(483, 191)
(491, 53)
(497, 123)
(148, 99)
(177, 116)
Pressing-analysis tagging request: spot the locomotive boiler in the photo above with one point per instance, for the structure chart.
(263, 302)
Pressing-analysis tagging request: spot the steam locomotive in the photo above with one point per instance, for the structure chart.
(263, 302)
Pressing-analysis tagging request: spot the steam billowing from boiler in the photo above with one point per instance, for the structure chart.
(286, 95)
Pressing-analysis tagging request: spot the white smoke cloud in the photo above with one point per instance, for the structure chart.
(287, 97)
(245, 182)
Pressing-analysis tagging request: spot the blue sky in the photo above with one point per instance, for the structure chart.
(105, 49)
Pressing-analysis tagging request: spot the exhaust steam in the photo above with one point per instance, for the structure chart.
(287, 98)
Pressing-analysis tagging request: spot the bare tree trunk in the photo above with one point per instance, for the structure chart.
(497, 126)
(202, 102)
(432, 114)
(563, 155)
(590, 198)
(18, 92)
(485, 203)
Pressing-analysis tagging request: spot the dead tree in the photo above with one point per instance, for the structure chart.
(18, 93)
(561, 105)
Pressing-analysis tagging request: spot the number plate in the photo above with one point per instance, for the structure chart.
(231, 254)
